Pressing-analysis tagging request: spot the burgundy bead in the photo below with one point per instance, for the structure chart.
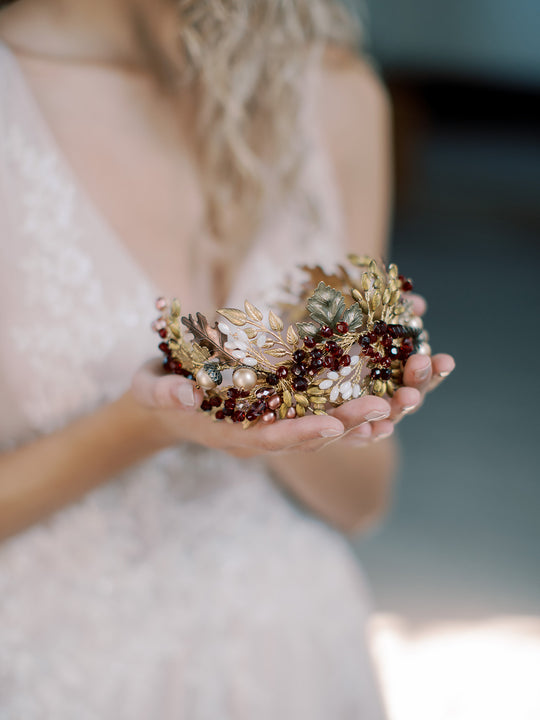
(329, 361)
(230, 404)
(365, 341)
(342, 327)
(243, 393)
(309, 342)
(272, 379)
(327, 331)
(387, 341)
(227, 411)
(250, 415)
(233, 393)
(338, 352)
(376, 373)
(239, 416)
(178, 370)
(345, 360)
(317, 353)
(300, 368)
(379, 327)
(264, 392)
(386, 374)
(335, 364)
(393, 352)
(331, 345)
(377, 357)
(162, 333)
(373, 337)
(219, 415)
(282, 371)
(205, 405)
(164, 347)
(317, 363)
(215, 401)
(258, 407)
(299, 355)
(406, 286)
(300, 384)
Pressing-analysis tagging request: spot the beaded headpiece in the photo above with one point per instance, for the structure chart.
(349, 334)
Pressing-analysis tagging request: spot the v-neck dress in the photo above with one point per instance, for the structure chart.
(189, 587)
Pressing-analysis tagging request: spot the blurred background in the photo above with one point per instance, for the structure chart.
(461, 544)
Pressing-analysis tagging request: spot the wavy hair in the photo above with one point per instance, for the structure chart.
(247, 61)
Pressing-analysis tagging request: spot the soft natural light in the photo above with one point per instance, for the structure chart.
(486, 670)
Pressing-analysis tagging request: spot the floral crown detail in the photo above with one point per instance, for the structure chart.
(349, 335)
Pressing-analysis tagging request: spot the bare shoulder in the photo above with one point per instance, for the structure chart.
(354, 115)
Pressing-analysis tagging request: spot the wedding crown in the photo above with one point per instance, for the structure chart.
(349, 334)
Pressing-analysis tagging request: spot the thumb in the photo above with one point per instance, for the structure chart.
(165, 391)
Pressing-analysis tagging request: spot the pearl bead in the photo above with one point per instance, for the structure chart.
(204, 380)
(268, 417)
(424, 349)
(274, 402)
(416, 322)
(244, 378)
(291, 412)
(161, 303)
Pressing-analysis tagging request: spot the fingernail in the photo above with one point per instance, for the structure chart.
(377, 415)
(382, 436)
(185, 394)
(422, 373)
(330, 432)
(408, 408)
(444, 373)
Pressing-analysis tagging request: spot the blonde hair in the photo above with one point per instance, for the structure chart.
(246, 61)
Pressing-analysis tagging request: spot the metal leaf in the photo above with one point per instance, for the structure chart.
(275, 322)
(292, 335)
(308, 328)
(354, 317)
(252, 312)
(277, 352)
(237, 317)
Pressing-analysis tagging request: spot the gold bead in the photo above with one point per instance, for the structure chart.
(244, 378)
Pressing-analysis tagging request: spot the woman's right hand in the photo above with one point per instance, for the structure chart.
(173, 404)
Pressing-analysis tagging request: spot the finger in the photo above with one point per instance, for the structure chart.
(442, 365)
(417, 372)
(365, 409)
(289, 434)
(165, 391)
(405, 400)
(419, 303)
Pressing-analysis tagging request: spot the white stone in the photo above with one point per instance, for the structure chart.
(347, 370)
(224, 328)
(355, 390)
(354, 360)
(238, 354)
(326, 384)
(250, 361)
(334, 393)
(333, 375)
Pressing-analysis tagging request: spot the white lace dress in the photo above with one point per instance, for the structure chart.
(189, 587)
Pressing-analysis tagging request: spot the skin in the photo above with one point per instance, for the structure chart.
(120, 55)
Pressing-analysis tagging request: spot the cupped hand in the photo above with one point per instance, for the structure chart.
(173, 404)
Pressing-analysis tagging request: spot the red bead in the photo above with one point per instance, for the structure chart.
(338, 352)
(329, 361)
(406, 286)
(300, 368)
(228, 412)
(215, 401)
(282, 371)
(258, 407)
(272, 379)
(327, 331)
(373, 337)
(309, 342)
(299, 355)
(233, 393)
(162, 333)
(387, 341)
(239, 416)
(345, 360)
(342, 327)
(317, 363)
(205, 405)
(250, 415)
(376, 373)
(330, 346)
(220, 415)
(317, 353)
(264, 392)
(230, 404)
(300, 384)
(164, 347)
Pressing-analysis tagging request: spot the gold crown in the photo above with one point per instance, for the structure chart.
(348, 335)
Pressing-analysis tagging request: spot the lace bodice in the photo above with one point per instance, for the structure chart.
(189, 587)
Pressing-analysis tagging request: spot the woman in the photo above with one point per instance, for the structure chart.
(151, 564)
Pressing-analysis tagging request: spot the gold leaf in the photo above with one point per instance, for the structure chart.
(390, 389)
(199, 354)
(359, 260)
(366, 282)
(301, 399)
(252, 312)
(175, 308)
(319, 412)
(287, 398)
(175, 331)
(275, 322)
(393, 270)
(283, 411)
(277, 352)
(315, 391)
(357, 295)
(292, 335)
(251, 333)
(375, 300)
(379, 387)
(300, 411)
(364, 306)
(374, 267)
(395, 297)
(237, 317)
(386, 296)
